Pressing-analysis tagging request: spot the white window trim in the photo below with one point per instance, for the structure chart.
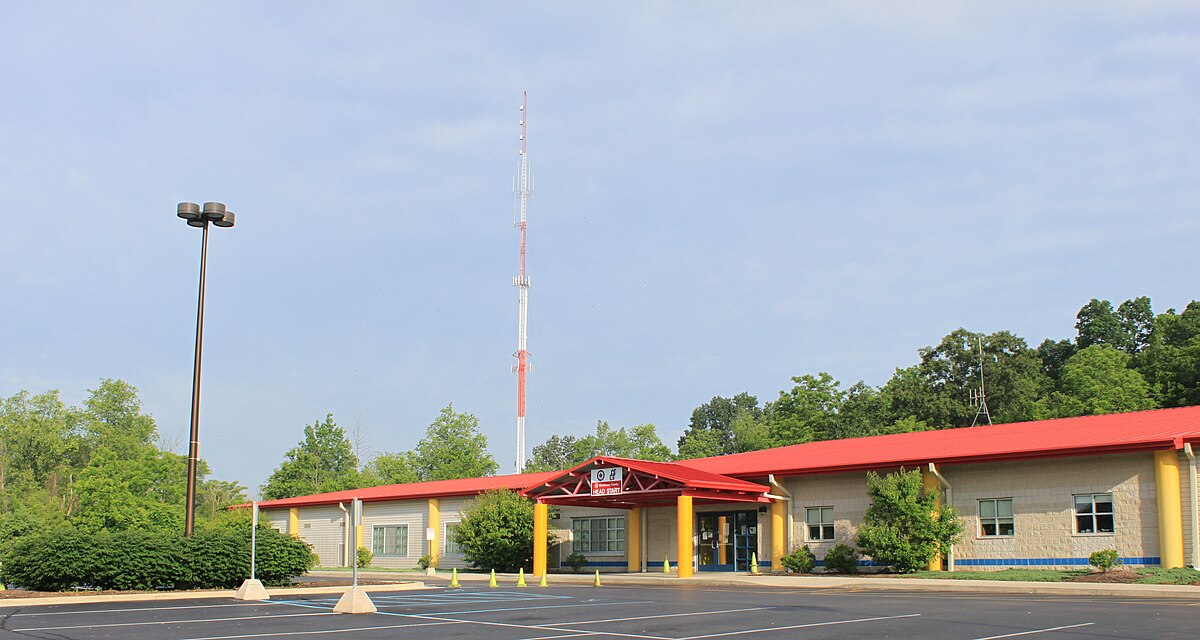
(808, 532)
(1075, 519)
(407, 547)
(446, 539)
(979, 535)
(613, 554)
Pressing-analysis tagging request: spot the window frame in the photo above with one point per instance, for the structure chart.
(382, 528)
(996, 519)
(1093, 514)
(822, 526)
(446, 541)
(588, 547)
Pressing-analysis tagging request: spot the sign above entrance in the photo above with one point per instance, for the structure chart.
(606, 481)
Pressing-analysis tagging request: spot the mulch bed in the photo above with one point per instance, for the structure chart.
(1112, 577)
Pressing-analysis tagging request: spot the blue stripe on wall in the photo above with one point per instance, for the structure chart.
(1047, 562)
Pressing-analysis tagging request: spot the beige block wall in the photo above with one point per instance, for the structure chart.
(1043, 505)
(845, 492)
(561, 528)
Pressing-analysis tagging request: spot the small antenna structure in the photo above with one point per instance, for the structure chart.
(979, 396)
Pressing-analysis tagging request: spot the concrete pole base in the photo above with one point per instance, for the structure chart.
(252, 590)
(355, 600)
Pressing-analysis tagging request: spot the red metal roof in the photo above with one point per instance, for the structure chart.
(1115, 433)
(435, 489)
(648, 483)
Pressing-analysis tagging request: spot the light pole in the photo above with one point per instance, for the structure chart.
(215, 213)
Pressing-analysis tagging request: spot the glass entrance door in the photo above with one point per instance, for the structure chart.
(726, 540)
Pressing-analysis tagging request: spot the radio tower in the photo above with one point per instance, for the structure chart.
(521, 282)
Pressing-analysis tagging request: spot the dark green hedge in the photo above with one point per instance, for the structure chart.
(65, 559)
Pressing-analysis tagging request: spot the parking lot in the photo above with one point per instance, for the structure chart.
(690, 612)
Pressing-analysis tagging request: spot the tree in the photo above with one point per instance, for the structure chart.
(805, 413)
(1097, 380)
(1054, 355)
(557, 453)
(323, 461)
(1097, 323)
(1171, 363)
(1137, 324)
(937, 389)
(495, 531)
(644, 444)
(865, 411)
(710, 431)
(453, 447)
(905, 527)
(392, 468)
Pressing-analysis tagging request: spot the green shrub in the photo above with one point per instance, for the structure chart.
(842, 558)
(577, 561)
(424, 561)
(801, 560)
(365, 558)
(1105, 559)
(904, 527)
(218, 558)
(496, 531)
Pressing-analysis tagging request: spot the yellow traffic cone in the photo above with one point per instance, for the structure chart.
(521, 577)
(492, 583)
(543, 582)
(454, 579)
(596, 582)
(753, 564)
(667, 563)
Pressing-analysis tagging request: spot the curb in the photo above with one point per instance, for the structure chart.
(194, 595)
(814, 583)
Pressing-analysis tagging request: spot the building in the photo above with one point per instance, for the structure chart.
(1045, 493)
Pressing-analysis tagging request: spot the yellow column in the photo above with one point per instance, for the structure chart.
(435, 523)
(778, 534)
(541, 526)
(633, 540)
(294, 522)
(1170, 509)
(931, 485)
(722, 541)
(683, 558)
(357, 539)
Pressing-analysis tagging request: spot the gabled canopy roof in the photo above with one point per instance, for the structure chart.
(1089, 435)
(644, 483)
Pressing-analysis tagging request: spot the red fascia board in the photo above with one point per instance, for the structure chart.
(913, 463)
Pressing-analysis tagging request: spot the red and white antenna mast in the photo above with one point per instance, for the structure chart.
(523, 189)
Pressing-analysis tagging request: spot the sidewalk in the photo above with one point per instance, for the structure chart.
(743, 580)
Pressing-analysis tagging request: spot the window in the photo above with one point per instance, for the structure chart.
(820, 523)
(451, 543)
(390, 540)
(996, 517)
(598, 535)
(1094, 513)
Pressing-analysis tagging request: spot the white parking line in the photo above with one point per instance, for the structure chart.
(801, 626)
(152, 622)
(664, 615)
(75, 613)
(320, 632)
(1029, 633)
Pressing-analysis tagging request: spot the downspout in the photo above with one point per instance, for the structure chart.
(787, 497)
(1195, 516)
(346, 536)
(949, 501)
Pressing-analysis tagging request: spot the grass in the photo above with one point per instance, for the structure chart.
(370, 569)
(1149, 575)
(1006, 575)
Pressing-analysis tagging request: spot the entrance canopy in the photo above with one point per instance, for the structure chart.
(624, 483)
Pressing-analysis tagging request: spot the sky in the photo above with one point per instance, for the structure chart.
(726, 195)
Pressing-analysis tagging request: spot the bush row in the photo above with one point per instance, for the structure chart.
(840, 559)
(66, 559)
